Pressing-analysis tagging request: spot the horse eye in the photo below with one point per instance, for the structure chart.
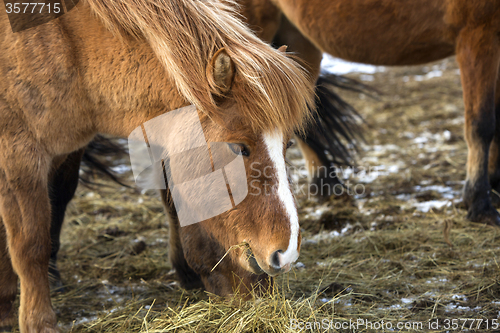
(239, 149)
(289, 144)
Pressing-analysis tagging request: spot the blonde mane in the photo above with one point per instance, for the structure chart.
(271, 90)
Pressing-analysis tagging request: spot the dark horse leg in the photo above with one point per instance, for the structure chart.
(494, 159)
(62, 187)
(63, 183)
(478, 57)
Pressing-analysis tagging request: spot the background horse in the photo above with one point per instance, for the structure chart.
(388, 32)
(98, 69)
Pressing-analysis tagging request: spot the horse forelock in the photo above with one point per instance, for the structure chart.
(271, 90)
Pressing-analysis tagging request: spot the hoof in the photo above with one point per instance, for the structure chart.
(490, 216)
(41, 320)
(40, 328)
(479, 205)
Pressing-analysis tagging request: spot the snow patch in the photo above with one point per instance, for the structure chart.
(340, 67)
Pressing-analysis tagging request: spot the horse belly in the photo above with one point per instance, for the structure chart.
(380, 32)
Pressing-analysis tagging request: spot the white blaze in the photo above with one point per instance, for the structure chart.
(274, 144)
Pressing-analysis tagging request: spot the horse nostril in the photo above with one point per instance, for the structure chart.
(275, 259)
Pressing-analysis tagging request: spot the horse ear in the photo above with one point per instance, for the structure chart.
(223, 71)
(283, 48)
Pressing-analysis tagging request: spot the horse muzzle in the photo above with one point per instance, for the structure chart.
(275, 264)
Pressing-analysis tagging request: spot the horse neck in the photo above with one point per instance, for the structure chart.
(125, 83)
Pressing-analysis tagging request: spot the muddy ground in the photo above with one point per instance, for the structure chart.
(379, 254)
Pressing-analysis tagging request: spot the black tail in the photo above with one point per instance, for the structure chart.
(336, 130)
(100, 156)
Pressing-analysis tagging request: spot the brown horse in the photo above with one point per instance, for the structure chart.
(390, 32)
(108, 67)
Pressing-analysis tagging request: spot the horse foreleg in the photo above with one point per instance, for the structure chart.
(478, 57)
(62, 187)
(25, 211)
(8, 285)
(188, 278)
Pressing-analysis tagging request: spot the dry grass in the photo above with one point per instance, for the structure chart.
(374, 257)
